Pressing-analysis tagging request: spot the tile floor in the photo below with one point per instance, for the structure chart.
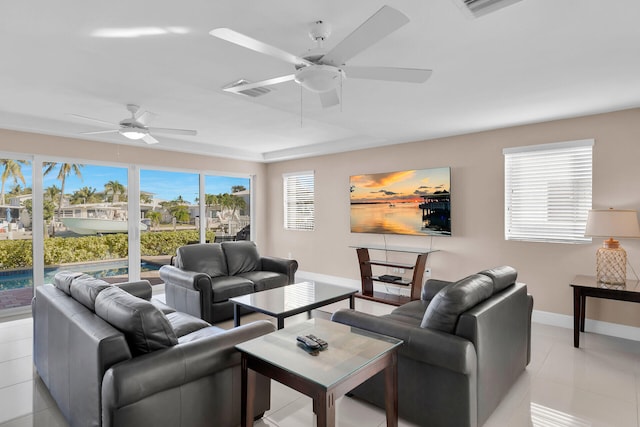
(596, 385)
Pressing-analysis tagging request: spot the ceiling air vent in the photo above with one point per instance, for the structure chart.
(253, 92)
(478, 8)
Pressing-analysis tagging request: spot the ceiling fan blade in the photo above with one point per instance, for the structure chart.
(173, 131)
(379, 25)
(269, 82)
(329, 98)
(149, 139)
(145, 117)
(258, 46)
(100, 131)
(411, 75)
(93, 120)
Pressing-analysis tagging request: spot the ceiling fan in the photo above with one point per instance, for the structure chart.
(135, 127)
(322, 71)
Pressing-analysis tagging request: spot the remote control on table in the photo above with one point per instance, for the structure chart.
(308, 343)
(323, 344)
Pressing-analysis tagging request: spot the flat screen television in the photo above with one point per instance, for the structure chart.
(411, 202)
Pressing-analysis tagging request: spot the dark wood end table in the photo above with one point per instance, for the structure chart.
(588, 286)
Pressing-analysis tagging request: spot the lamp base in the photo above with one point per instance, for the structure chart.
(611, 265)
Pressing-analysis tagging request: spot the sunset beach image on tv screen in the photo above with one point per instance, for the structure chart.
(413, 202)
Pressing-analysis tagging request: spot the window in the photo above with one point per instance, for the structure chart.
(298, 201)
(548, 191)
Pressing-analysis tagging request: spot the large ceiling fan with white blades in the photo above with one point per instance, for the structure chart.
(322, 71)
(136, 126)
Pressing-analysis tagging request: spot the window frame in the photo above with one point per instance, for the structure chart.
(534, 178)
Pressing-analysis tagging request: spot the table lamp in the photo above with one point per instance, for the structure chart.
(611, 259)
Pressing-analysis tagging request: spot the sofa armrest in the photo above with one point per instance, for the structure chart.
(191, 280)
(431, 288)
(280, 265)
(139, 288)
(134, 380)
(424, 345)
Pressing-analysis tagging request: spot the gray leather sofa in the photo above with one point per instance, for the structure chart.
(110, 356)
(465, 345)
(205, 275)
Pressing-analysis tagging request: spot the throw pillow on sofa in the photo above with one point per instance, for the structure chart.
(63, 279)
(454, 299)
(85, 290)
(205, 258)
(242, 257)
(145, 327)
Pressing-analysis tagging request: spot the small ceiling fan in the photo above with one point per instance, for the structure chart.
(320, 70)
(136, 127)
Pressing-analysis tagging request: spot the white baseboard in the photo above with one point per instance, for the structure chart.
(335, 280)
(542, 317)
(595, 326)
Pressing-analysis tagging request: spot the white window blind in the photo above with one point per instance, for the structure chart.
(548, 191)
(299, 211)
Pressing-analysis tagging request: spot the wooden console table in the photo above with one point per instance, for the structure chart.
(368, 278)
(588, 286)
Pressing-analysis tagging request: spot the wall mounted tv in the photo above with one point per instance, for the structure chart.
(413, 202)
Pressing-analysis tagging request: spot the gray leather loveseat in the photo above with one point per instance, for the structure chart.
(465, 344)
(111, 356)
(206, 275)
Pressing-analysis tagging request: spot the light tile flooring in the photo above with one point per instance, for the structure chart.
(596, 385)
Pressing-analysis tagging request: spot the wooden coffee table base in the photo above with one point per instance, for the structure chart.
(323, 398)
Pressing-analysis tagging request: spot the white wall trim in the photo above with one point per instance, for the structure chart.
(334, 280)
(542, 317)
(594, 326)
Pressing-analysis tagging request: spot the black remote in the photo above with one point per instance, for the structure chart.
(322, 343)
(308, 343)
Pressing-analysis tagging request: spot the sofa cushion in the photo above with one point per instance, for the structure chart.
(264, 280)
(205, 258)
(183, 323)
(230, 286)
(454, 299)
(411, 312)
(145, 328)
(502, 277)
(62, 280)
(241, 257)
(85, 290)
(201, 333)
(164, 308)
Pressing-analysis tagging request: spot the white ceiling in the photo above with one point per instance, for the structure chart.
(536, 60)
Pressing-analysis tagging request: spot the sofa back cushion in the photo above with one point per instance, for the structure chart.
(242, 257)
(454, 299)
(85, 290)
(205, 258)
(502, 277)
(145, 327)
(62, 280)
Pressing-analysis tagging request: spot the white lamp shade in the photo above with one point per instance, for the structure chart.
(612, 223)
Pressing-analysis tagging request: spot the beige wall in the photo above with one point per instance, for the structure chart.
(477, 170)
(476, 163)
(86, 151)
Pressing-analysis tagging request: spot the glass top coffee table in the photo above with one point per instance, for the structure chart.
(353, 356)
(290, 300)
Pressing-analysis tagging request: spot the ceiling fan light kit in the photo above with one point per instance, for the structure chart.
(132, 133)
(319, 78)
(322, 71)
